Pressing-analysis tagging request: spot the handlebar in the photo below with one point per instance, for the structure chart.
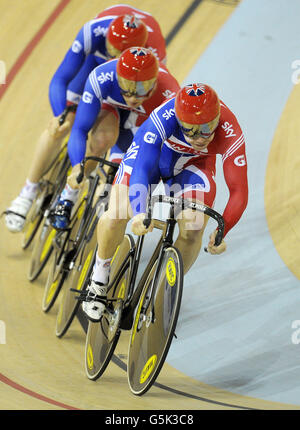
(186, 204)
(62, 118)
(100, 160)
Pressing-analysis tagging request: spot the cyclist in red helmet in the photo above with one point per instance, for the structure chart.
(104, 37)
(197, 109)
(137, 71)
(124, 32)
(178, 145)
(118, 97)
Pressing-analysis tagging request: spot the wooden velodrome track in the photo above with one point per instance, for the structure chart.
(38, 370)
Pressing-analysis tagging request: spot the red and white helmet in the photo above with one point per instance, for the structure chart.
(125, 31)
(137, 71)
(197, 109)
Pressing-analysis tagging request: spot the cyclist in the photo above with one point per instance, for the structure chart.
(178, 144)
(105, 37)
(124, 91)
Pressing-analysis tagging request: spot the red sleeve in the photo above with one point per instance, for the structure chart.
(235, 174)
(156, 42)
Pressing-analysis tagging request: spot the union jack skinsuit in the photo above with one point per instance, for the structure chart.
(160, 151)
(89, 51)
(102, 92)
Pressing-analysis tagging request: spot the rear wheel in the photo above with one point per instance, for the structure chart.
(80, 271)
(154, 326)
(62, 256)
(56, 277)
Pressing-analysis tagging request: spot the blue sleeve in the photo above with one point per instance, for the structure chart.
(149, 140)
(65, 73)
(145, 170)
(87, 112)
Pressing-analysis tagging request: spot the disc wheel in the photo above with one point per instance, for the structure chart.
(154, 327)
(61, 258)
(56, 276)
(81, 270)
(102, 337)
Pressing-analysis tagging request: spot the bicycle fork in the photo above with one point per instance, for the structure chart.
(167, 240)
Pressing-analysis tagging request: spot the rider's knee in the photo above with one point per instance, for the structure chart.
(99, 144)
(105, 133)
(191, 226)
(191, 235)
(112, 221)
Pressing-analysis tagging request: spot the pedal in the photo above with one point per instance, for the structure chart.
(87, 296)
(82, 295)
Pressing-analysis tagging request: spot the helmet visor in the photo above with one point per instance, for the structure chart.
(137, 89)
(112, 52)
(194, 131)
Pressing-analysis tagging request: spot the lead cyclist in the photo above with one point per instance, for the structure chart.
(177, 145)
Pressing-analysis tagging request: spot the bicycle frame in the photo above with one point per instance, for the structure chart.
(165, 241)
(84, 230)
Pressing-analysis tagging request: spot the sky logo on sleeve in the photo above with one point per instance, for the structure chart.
(103, 77)
(100, 31)
(168, 113)
(228, 129)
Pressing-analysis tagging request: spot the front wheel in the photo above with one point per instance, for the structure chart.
(81, 269)
(42, 250)
(155, 321)
(102, 337)
(35, 216)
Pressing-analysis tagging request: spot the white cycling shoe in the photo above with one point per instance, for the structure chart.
(16, 214)
(94, 304)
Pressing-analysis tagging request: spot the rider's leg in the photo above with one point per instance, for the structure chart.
(104, 135)
(196, 182)
(110, 233)
(191, 228)
(111, 229)
(48, 146)
(46, 149)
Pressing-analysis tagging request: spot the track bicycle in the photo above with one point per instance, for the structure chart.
(46, 185)
(37, 222)
(159, 303)
(150, 309)
(73, 254)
